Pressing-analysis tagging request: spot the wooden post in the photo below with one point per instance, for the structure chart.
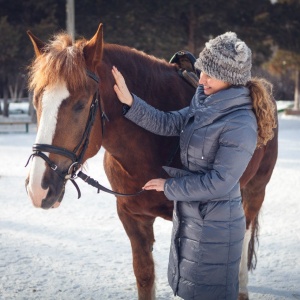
(297, 92)
(296, 108)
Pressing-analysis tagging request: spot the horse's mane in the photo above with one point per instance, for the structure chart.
(134, 58)
(153, 79)
(62, 60)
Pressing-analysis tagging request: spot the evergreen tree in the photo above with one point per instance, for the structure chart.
(285, 27)
(16, 17)
(157, 27)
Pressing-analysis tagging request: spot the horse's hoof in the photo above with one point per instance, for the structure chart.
(243, 297)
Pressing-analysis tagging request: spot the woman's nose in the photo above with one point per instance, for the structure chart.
(201, 80)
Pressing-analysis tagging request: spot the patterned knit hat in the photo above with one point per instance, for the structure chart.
(226, 58)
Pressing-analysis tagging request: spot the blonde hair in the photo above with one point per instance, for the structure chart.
(264, 108)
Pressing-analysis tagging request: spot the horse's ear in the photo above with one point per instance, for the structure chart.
(38, 45)
(93, 50)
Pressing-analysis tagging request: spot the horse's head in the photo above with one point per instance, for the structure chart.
(64, 83)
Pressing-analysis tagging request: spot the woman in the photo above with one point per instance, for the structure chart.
(229, 116)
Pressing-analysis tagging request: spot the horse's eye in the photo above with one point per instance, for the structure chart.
(79, 106)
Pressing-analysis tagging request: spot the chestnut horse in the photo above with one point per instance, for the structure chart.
(64, 77)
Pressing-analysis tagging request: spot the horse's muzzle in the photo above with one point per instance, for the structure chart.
(45, 196)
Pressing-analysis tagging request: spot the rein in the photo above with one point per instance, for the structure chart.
(71, 173)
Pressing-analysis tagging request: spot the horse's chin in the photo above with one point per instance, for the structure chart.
(56, 204)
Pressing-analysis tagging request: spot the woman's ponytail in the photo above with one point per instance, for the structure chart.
(264, 108)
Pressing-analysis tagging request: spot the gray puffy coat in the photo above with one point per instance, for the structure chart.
(218, 136)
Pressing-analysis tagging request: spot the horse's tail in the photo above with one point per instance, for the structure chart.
(252, 257)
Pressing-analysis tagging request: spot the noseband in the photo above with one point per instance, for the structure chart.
(72, 172)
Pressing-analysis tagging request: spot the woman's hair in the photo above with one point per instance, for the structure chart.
(264, 108)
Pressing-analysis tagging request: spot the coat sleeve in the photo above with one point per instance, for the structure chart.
(154, 120)
(236, 146)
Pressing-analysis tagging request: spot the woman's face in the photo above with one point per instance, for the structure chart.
(212, 85)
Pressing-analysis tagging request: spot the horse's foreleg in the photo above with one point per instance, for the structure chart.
(140, 233)
(143, 265)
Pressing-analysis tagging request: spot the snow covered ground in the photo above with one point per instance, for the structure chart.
(80, 250)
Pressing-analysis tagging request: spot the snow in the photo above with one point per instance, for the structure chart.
(18, 108)
(282, 105)
(80, 250)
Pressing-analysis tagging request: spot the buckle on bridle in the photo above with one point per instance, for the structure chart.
(53, 167)
(72, 171)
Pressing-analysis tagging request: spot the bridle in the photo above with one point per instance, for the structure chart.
(73, 171)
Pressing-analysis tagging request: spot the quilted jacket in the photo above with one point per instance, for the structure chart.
(218, 135)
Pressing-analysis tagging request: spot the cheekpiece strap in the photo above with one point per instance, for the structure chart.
(92, 75)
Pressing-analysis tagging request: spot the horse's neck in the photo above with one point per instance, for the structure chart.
(146, 76)
(155, 81)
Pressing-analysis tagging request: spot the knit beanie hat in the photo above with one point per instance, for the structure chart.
(226, 58)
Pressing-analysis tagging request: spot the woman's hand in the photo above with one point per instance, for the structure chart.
(121, 88)
(155, 184)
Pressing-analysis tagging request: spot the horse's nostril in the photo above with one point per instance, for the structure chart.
(54, 196)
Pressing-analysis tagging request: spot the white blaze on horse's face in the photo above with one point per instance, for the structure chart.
(51, 101)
